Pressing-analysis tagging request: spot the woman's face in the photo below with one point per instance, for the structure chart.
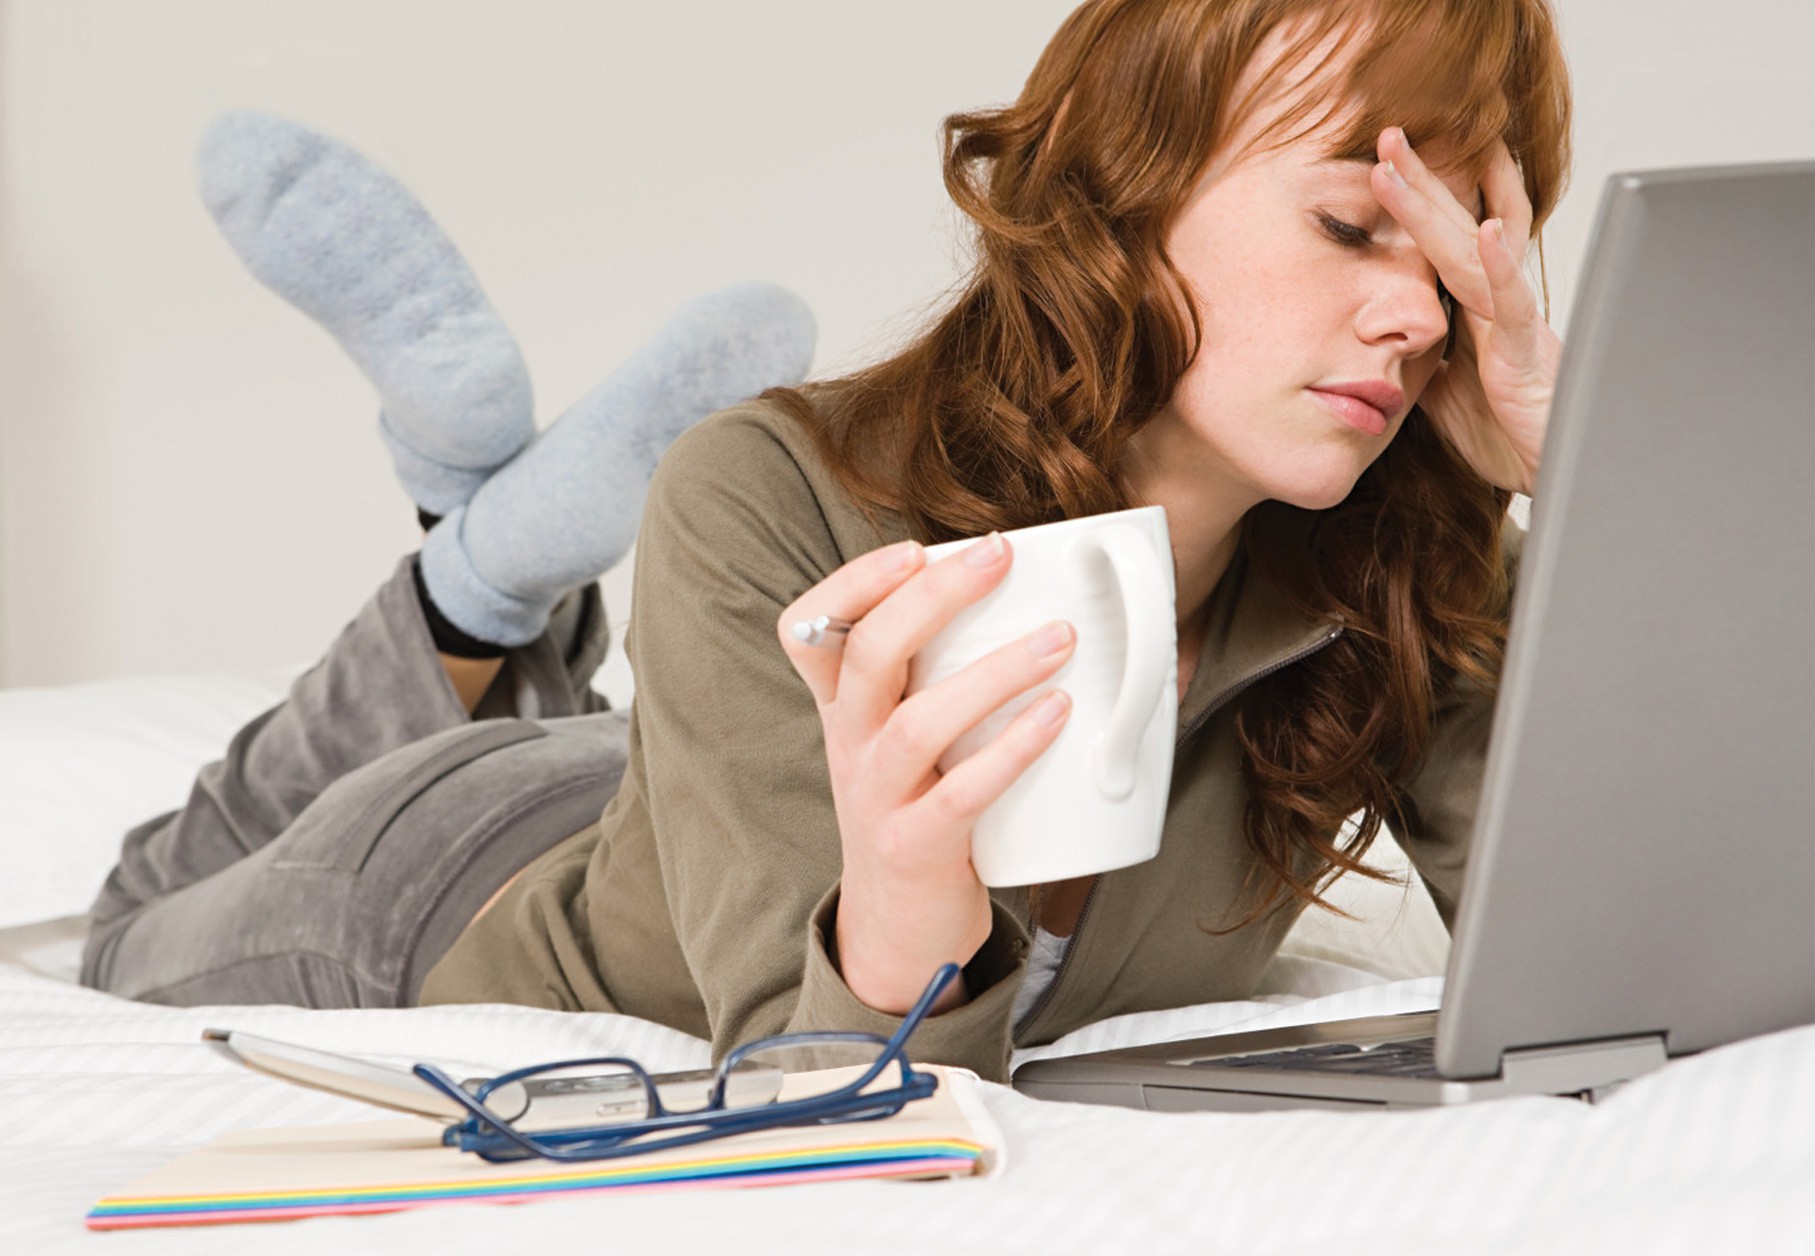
(1321, 323)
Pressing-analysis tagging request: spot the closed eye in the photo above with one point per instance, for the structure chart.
(1344, 233)
(1351, 236)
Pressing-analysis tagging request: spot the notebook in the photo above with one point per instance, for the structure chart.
(1642, 865)
(390, 1165)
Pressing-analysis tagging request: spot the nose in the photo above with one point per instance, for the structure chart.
(1402, 308)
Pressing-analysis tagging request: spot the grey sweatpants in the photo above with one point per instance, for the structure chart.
(353, 831)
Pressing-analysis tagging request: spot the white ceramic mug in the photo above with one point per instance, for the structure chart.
(1096, 799)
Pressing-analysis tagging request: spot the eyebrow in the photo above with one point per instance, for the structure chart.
(1369, 160)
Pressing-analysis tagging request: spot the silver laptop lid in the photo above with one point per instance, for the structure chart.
(1644, 857)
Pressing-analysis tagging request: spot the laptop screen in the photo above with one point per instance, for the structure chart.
(1644, 857)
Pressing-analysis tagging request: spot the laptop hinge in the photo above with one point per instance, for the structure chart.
(1595, 1069)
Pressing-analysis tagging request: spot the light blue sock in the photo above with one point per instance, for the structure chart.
(348, 245)
(566, 509)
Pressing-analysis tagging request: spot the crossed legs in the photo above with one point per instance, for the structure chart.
(351, 832)
(449, 735)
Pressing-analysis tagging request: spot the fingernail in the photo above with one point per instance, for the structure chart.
(1392, 172)
(1498, 229)
(985, 553)
(1051, 639)
(905, 555)
(1051, 709)
(1403, 137)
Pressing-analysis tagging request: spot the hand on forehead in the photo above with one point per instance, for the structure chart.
(1291, 95)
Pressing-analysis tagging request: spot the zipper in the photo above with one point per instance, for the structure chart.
(1217, 703)
(1058, 974)
(1228, 695)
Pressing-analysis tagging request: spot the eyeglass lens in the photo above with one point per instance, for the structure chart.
(819, 1068)
(586, 1095)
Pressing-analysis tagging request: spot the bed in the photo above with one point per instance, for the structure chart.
(1711, 1154)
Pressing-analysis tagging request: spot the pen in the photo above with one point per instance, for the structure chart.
(822, 630)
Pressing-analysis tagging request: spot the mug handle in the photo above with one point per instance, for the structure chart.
(1152, 645)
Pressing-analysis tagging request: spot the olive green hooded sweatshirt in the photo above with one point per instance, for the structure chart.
(704, 898)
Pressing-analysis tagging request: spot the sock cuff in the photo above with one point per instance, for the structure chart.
(446, 634)
(467, 600)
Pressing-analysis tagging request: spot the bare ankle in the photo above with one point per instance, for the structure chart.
(470, 677)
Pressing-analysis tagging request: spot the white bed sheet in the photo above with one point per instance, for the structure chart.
(1713, 1154)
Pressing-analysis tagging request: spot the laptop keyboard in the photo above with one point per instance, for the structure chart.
(1416, 1058)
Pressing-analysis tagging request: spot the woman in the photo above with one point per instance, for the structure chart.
(1213, 274)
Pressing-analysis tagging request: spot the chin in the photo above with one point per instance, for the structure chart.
(1319, 492)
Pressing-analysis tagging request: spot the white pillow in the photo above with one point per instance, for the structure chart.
(81, 764)
(1396, 932)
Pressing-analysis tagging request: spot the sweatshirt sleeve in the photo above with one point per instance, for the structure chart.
(1441, 802)
(738, 524)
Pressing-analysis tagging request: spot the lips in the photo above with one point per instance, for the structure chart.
(1366, 405)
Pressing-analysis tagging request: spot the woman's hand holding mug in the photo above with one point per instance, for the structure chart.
(909, 898)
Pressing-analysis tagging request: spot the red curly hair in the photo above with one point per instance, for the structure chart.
(1074, 326)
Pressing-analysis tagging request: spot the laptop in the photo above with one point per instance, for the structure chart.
(1641, 879)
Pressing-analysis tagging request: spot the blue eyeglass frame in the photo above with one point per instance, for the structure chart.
(491, 1137)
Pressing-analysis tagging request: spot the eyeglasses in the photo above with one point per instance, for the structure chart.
(825, 1078)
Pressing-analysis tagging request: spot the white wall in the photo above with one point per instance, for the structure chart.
(1677, 83)
(189, 476)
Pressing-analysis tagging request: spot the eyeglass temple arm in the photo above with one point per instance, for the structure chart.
(477, 1109)
(941, 979)
(891, 1050)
